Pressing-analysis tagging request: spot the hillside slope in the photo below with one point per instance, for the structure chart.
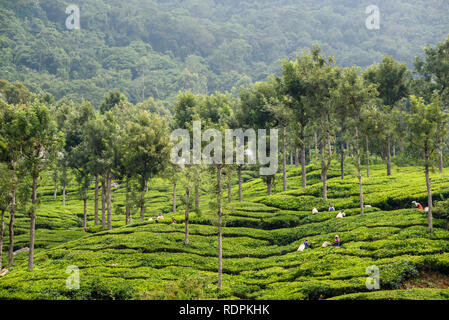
(156, 48)
(150, 261)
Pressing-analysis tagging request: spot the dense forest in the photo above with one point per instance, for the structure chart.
(157, 48)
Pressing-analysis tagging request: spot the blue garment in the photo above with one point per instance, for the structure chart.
(331, 209)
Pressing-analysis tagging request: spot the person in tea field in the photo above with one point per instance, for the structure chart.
(160, 217)
(314, 211)
(418, 205)
(331, 208)
(173, 221)
(341, 214)
(337, 242)
(307, 245)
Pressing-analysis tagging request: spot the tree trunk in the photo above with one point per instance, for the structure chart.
(109, 200)
(197, 197)
(186, 222)
(229, 193)
(269, 191)
(96, 201)
(220, 243)
(12, 218)
(291, 157)
(296, 157)
(239, 170)
(359, 172)
(303, 166)
(325, 167)
(284, 159)
(33, 221)
(342, 156)
(316, 141)
(303, 159)
(440, 159)
(63, 193)
(103, 202)
(2, 232)
(367, 156)
(174, 197)
(142, 201)
(85, 214)
(127, 210)
(388, 155)
(324, 179)
(429, 191)
(55, 192)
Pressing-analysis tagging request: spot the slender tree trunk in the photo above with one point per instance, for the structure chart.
(63, 193)
(2, 232)
(142, 201)
(325, 167)
(127, 210)
(12, 217)
(291, 157)
(197, 197)
(303, 158)
(342, 155)
(85, 214)
(323, 173)
(284, 159)
(220, 237)
(303, 166)
(109, 200)
(296, 157)
(388, 155)
(429, 191)
(316, 141)
(239, 171)
(96, 201)
(55, 177)
(359, 172)
(269, 191)
(103, 202)
(33, 221)
(440, 159)
(174, 197)
(367, 155)
(186, 223)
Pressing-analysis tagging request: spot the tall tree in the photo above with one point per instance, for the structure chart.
(321, 76)
(148, 149)
(392, 79)
(433, 70)
(277, 105)
(355, 93)
(427, 123)
(5, 201)
(12, 138)
(41, 147)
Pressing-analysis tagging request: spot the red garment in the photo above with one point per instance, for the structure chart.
(420, 206)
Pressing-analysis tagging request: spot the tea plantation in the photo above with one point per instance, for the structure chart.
(261, 236)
